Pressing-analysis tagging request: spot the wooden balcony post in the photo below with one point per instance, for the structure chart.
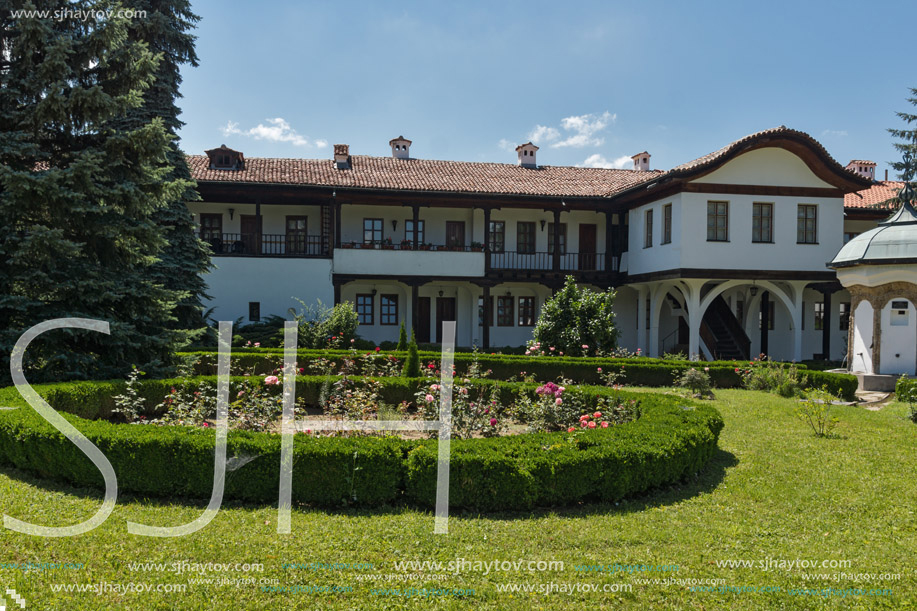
(415, 216)
(609, 240)
(826, 326)
(485, 334)
(258, 227)
(555, 264)
(486, 260)
(337, 224)
(765, 317)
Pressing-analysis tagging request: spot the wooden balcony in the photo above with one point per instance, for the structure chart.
(268, 245)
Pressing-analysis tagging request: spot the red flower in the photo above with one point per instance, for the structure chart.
(378, 348)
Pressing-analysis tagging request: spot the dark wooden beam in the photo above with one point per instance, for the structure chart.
(733, 274)
(765, 313)
(707, 187)
(826, 327)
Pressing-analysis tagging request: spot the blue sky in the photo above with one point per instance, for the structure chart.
(592, 82)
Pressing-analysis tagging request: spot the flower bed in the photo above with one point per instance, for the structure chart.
(672, 439)
(634, 371)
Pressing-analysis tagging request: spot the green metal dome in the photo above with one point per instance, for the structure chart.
(894, 241)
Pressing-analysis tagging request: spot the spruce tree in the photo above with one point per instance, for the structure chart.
(78, 192)
(402, 338)
(411, 367)
(165, 28)
(907, 136)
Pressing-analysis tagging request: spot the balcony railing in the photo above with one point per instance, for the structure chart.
(268, 245)
(544, 261)
(409, 246)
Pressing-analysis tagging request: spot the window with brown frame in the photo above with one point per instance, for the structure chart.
(526, 311)
(563, 238)
(388, 310)
(717, 221)
(211, 227)
(505, 311)
(297, 235)
(372, 231)
(409, 231)
(844, 319)
(497, 236)
(365, 308)
(807, 224)
(762, 223)
(667, 224)
(648, 229)
(525, 237)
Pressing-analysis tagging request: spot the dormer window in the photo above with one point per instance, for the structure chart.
(224, 158)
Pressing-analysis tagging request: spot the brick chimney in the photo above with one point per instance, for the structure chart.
(526, 155)
(401, 147)
(866, 169)
(641, 162)
(342, 156)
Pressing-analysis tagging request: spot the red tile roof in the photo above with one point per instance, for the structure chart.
(876, 196)
(427, 175)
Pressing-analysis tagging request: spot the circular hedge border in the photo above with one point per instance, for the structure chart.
(672, 439)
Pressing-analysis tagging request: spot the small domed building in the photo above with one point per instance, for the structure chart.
(879, 268)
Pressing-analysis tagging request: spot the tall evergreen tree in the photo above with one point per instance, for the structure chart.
(907, 136)
(166, 28)
(78, 193)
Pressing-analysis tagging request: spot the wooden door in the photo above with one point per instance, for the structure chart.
(423, 320)
(445, 310)
(455, 234)
(249, 238)
(587, 258)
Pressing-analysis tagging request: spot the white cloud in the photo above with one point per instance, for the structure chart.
(599, 161)
(506, 145)
(834, 132)
(542, 133)
(584, 129)
(276, 130)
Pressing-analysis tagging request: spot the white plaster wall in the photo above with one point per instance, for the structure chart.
(626, 317)
(236, 281)
(862, 339)
(772, 166)
(273, 217)
(739, 252)
(898, 353)
(659, 256)
(407, 262)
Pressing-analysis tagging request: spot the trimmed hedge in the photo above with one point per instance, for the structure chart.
(670, 441)
(641, 371)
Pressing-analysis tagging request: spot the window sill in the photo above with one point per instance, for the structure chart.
(807, 243)
(763, 242)
(720, 241)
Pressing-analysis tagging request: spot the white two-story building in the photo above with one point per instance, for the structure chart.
(723, 256)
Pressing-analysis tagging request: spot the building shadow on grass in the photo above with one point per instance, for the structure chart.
(704, 482)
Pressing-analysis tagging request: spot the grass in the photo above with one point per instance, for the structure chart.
(773, 491)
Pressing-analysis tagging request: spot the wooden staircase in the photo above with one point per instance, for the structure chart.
(723, 334)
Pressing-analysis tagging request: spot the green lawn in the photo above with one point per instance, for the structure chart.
(773, 492)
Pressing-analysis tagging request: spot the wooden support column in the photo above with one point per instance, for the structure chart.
(337, 291)
(765, 316)
(337, 224)
(414, 301)
(415, 218)
(826, 327)
(609, 241)
(485, 334)
(486, 259)
(258, 232)
(555, 264)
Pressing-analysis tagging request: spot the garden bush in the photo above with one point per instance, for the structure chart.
(668, 442)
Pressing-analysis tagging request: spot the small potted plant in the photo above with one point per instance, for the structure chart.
(427, 246)
(406, 244)
(347, 245)
(477, 247)
(387, 244)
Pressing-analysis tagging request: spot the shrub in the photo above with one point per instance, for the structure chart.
(764, 374)
(906, 392)
(577, 321)
(696, 380)
(412, 362)
(667, 443)
(321, 326)
(815, 410)
(402, 338)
